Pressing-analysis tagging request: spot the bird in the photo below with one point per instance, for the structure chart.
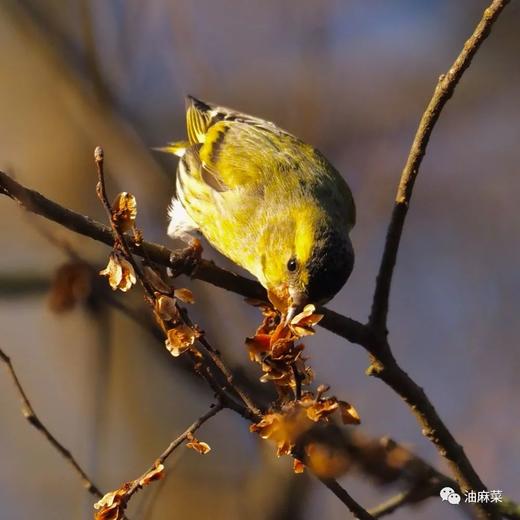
(271, 203)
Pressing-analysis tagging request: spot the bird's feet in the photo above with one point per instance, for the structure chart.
(186, 261)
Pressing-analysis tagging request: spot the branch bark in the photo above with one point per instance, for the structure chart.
(342, 494)
(205, 270)
(29, 413)
(442, 93)
(130, 488)
(121, 239)
(384, 366)
(397, 501)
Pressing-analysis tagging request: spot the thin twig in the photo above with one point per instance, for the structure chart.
(121, 239)
(144, 321)
(387, 461)
(216, 408)
(29, 413)
(217, 360)
(21, 284)
(357, 510)
(392, 504)
(417, 493)
(384, 365)
(137, 484)
(442, 93)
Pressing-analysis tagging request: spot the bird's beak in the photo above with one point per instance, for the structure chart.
(298, 302)
(292, 311)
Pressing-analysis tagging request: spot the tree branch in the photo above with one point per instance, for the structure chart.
(442, 93)
(29, 413)
(121, 239)
(424, 481)
(393, 503)
(357, 510)
(384, 365)
(372, 336)
(205, 270)
(246, 408)
(130, 488)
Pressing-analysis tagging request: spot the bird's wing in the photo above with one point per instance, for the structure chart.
(200, 116)
(232, 150)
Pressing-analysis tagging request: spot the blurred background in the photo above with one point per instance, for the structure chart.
(350, 77)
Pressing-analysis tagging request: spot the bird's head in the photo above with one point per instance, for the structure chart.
(308, 261)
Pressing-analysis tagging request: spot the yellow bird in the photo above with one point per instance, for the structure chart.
(265, 199)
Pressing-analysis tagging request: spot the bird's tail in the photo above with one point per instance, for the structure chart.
(199, 117)
(178, 148)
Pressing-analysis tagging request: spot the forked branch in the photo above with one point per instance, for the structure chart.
(373, 336)
(442, 93)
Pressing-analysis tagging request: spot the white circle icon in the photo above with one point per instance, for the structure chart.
(448, 494)
(454, 498)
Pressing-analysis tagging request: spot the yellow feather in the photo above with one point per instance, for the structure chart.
(179, 148)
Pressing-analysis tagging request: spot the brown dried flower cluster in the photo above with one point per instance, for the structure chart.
(274, 347)
(180, 336)
(121, 275)
(124, 211)
(295, 418)
(288, 427)
(198, 446)
(112, 506)
(119, 271)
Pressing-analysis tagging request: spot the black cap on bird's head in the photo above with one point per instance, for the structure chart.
(327, 269)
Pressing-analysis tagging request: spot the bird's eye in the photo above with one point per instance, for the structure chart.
(292, 265)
